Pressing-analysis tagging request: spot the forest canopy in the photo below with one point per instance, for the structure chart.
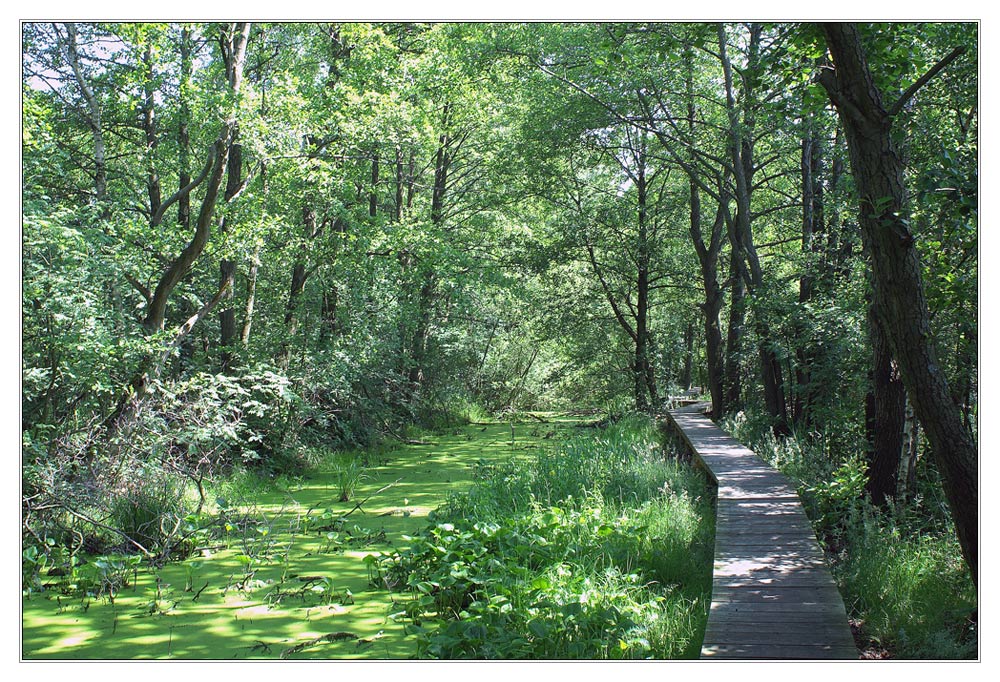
(243, 243)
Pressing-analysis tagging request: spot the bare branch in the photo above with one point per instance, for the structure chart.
(922, 81)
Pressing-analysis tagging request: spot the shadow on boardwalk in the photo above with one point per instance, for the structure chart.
(773, 596)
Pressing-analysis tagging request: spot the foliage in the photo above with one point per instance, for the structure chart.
(899, 570)
(421, 225)
(602, 560)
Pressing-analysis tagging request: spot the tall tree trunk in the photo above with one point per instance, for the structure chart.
(227, 267)
(428, 280)
(234, 49)
(250, 298)
(400, 183)
(708, 256)
(884, 417)
(183, 133)
(300, 275)
(900, 303)
(149, 128)
(734, 335)
(805, 350)
(907, 479)
(645, 389)
(688, 365)
(741, 149)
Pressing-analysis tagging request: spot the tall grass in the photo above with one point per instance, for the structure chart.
(599, 547)
(900, 570)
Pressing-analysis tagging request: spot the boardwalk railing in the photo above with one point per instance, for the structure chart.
(773, 596)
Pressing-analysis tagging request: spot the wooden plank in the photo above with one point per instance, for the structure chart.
(792, 528)
(773, 596)
(762, 522)
(742, 616)
(758, 578)
(778, 596)
(763, 506)
(781, 652)
(735, 632)
(830, 635)
(775, 556)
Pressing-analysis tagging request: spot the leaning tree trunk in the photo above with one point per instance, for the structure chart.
(212, 175)
(885, 414)
(900, 303)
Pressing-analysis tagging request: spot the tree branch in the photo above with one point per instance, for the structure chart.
(183, 191)
(922, 81)
(140, 287)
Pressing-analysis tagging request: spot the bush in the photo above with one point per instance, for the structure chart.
(900, 570)
(149, 508)
(598, 548)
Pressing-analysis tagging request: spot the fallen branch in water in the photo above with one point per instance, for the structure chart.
(358, 505)
(332, 637)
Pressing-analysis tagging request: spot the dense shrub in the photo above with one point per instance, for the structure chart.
(597, 548)
(900, 569)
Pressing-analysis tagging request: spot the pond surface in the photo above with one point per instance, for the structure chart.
(289, 580)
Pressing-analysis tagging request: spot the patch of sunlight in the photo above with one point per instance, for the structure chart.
(261, 611)
(70, 642)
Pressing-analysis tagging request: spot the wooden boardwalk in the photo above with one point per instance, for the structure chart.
(773, 596)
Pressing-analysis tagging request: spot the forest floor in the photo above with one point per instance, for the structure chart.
(289, 578)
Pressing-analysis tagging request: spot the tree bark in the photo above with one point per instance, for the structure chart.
(741, 150)
(183, 133)
(708, 258)
(250, 298)
(900, 303)
(94, 117)
(734, 335)
(884, 418)
(227, 267)
(805, 350)
(688, 365)
(645, 387)
(149, 128)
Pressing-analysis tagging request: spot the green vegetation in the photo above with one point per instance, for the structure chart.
(899, 569)
(287, 569)
(269, 565)
(277, 276)
(596, 548)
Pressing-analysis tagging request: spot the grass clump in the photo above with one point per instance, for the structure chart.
(596, 548)
(912, 592)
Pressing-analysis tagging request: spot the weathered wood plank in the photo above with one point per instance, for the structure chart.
(780, 652)
(821, 634)
(773, 596)
(743, 615)
(777, 596)
(722, 631)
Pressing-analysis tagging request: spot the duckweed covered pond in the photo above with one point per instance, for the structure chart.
(298, 573)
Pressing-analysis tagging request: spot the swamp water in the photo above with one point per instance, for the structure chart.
(289, 579)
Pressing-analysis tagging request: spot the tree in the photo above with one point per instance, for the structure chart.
(214, 171)
(899, 299)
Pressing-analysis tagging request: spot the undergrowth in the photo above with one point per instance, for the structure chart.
(900, 570)
(599, 547)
